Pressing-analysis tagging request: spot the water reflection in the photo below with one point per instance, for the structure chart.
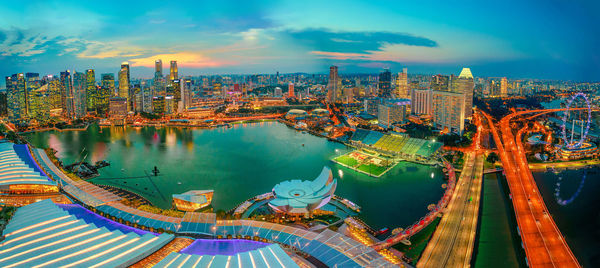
(564, 202)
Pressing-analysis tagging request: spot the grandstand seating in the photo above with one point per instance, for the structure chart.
(396, 143)
(269, 256)
(42, 234)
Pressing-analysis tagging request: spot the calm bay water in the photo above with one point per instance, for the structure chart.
(241, 162)
(575, 210)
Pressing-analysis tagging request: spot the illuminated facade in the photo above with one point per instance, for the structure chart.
(192, 200)
(465, 85)
(385, 84)
(421, 100)
(173, 71)
(90, 90)
(586, 150)
(16, 87)
(390, 112)
(67, 94)
(79, 97)
(124, 81)
(117, 107)
(334, 86)
(303, 197)
(19, 174)
(448, 110)
(402, 89)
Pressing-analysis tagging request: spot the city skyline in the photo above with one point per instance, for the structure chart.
(533, 41)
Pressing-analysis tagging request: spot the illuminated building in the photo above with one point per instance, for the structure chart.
(3, 109)
(173, 71)
(159, 79)
(124, 81)
(385, 84)
(585, 150)
(79, 98)
(16, 97)
(402, 89)
(192, 200)
(39, 106)
(19, 174)
(303, 197)
(54, 93)
(296, 114)
(169, 107)
(503, 87)
(465, 85)
(117, 107)
(392, 111)
(421, 100)
(147, 99)
(291, 90)
(66, 82)
(158, 104)
(334, 85)
(90, 90)
(108, 82)
(371, 105)
(278, 92)
(448, 111)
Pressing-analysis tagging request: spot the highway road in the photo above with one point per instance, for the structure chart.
(543, 243)
(452, 243)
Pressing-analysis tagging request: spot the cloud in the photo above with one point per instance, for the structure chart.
(184, 59)
(326, 40)
(18, 42)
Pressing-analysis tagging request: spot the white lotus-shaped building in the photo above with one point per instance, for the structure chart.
(301, 197)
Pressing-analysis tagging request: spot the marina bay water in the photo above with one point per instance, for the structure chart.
(239, 163)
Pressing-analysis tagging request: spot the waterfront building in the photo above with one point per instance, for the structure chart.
(334, 85)
(585, 150)
(117, 107)
(158, 104)
(16, 88)
(402, 88)
(39, 106)
(421, 101)
(392, 111)
(385, 84)
(296, 197)
(67, 94)
(124, 81)
(170, 105)
(91, 91)
(448, 110)
(296, 114)
(79, 98)
(192, 200)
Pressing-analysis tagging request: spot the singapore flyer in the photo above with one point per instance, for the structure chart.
(574, 116)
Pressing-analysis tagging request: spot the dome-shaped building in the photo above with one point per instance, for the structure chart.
(296, 114)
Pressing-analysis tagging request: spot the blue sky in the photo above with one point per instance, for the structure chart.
(520, 39)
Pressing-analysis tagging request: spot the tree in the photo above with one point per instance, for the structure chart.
(492, 157)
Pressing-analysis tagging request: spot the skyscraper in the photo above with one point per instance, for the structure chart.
(448, 111)
(16, 88)
(385, 84)
(54, 92)
(108, 82)
(421, 101)
(402, 89)
(334, 85)
(79, 97)
(291, 90)
(503, 87)
(66, 82)
(173, 73)
(90, 90)
(159, 79)
(124, 81)
(465, 85)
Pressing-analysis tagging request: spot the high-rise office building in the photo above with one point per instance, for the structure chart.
(390, 112)
(79, 97)
(147, 99)
(38, 104)
(385, 84)
(291, 90)
(503, 87)
(402, 88)
(421, 101)
(159, 79)
(67, 95)
(173, 71)
(54, 93)
(16, 89)
(334, 85)
(465, 84)
(90, 90)
(158, 104)
(448, 110)
(371, 105)
(124, 80)
(108, 82)
(117, 107)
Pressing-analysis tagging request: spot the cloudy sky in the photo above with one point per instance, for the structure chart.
(516, 38)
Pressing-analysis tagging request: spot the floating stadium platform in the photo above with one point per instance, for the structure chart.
(395, 143)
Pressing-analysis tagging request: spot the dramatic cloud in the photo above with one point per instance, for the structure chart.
(355, 42)
(184, 59)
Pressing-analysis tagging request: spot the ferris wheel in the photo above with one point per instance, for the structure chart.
(576, 120)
